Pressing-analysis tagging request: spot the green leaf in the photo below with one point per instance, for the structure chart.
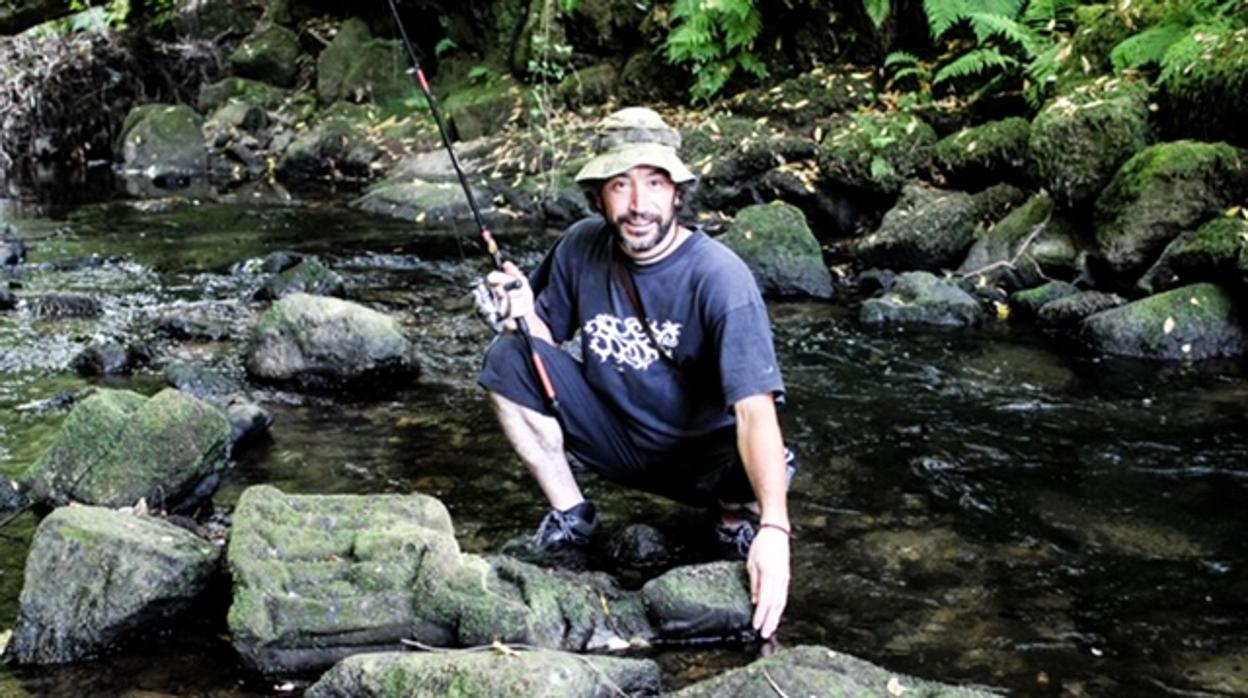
(877, 11)
(988, 25)
(943, 14)
(1147, 47)
(881, 168)
(443, 46)
(974, 63)
(900, 57)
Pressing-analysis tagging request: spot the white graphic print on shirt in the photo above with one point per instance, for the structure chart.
(625, 341)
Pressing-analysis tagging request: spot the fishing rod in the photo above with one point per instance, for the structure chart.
(491, 245)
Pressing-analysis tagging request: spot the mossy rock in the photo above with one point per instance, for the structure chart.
(484, 109)
(931, 229)
(1080, 139)
(1161, 192)
(777, 245)
(815, 94)
(1035, 241)
(921, 298)
(522, 673)
(308, 276)
(1067, 313)
(877, 152)
(215, 95)
(647, 78)
(974, 158)
(315, 342)
(729, 153)
(592, 85)
(356, 67)
(1027, 303)
(1200, 321)
(424, 202)
(117, 447)
(700, 601)
(269, 54)
(115, 573)
(1207, 97)
(1208, 253)
(1098, 29)
(162, 138)
(340, 144)
(818, 671)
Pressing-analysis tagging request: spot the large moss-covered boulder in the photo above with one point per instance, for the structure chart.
(977, 157)
(317, 342)
(781, 252)
(162, 139)
(117, 447)
(483, 109)
(1161, 192)
(878, 152)
(1206, 96)
(592, 85)
(215, 95)
(1035, 241)
(423, 201)
(1081, 138)
(320, 577)
(734, 157)
(340, 144)
(931, 229)
(818, 671)
(700, 601)
(357, 67)
(519, 673)
(816, 94)
(1200, 321)
(1098, 29)
(1208, 253)
(921, 298)
(95, 576)
(308, 276)
(268, 54)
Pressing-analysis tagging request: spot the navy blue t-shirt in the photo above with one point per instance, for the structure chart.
(704, 308)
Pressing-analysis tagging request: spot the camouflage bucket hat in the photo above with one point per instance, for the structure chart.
(631, 137)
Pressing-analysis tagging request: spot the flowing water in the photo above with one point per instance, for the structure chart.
(984, 506)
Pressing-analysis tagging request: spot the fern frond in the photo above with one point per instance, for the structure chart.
(1149, 46)
(1003, 8)
(744, 29)
(986, 26)
(943, 14)
(1192, 46)
(897, 57)
(753, 65)
(877, 11)
(1043, 13)
(974, 63)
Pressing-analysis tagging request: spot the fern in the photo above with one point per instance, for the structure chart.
(877, 11)
(974, 63)
(714, 41)
(900, 58)
(1147, 47)
(987, 25)
(943, 14)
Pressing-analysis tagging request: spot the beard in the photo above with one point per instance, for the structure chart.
(637, 246)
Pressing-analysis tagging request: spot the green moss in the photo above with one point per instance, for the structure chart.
(985, 152)
(813, 95)
(1213, 84)
(876, 151)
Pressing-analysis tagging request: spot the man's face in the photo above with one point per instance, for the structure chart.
(640, 205)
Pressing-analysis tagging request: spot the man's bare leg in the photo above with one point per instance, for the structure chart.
(538, 440)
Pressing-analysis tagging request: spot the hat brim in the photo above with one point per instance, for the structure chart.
(624, 158)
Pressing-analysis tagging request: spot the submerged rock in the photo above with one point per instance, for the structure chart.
(921, 298)
(818, 671)
(776, 244)
(117, 447)
(308, 276)
(1200, 321)
(521, 673)
(114, 574)
(315, 342)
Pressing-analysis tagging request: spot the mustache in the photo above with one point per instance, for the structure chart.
(639, 217)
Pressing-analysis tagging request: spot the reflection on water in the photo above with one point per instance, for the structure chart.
(973, 506)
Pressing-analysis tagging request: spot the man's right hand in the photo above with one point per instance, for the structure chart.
(512, 294)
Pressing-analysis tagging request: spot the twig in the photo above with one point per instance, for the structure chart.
(774, 686)
(1010, 263)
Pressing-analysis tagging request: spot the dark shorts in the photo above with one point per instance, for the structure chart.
(698, 472)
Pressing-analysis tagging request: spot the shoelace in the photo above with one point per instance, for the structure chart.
(554, 528)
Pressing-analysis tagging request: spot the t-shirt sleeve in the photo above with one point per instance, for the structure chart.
(747, 354)
(552, 292)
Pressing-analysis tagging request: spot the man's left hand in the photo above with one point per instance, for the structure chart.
(768, 565)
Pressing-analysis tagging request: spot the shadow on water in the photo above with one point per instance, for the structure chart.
(980, 506)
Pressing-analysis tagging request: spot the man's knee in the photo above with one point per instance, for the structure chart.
(506, 354)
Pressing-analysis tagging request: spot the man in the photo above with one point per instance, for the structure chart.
(677, 387)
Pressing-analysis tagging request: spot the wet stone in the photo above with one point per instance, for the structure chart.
(12, 247)
(639, 547)
(200, 380)
(8, 301)
(921, 298)
(709, 601)
(105, 359)
(65, 305)
(11, 497)
(247, 421)
(1068, 312)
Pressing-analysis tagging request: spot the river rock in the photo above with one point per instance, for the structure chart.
(1034, 242)
(309, 276)
(269, 54)
(1081, 138)
(639, 548)
(320, 577)
(162, 140)
(8, 301)
(815, 94)
(185, 324)
(357, 67)
(1208, 253)
(54, 306)
(811, 670)
(1161, 192)
(12, 247)
(201, 380)
(877, 152)
(484, 108)
(247, 421)
(315, 342)
(1027, 303)
(920, 298)
(427, 202)
(110, 359)
(700, 601)
(339, 145)
(978, 157)
(214, 96)
(521, 673)
(1068, 312)
(1200, 321)
(11, 496)
(777, 245)
(95, 576)
(117, 447)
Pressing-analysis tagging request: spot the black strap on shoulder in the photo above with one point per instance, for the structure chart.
(630, 291)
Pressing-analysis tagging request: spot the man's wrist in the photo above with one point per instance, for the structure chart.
(784, 528)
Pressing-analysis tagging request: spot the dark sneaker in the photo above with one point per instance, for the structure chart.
(562, 538)
(734, 540)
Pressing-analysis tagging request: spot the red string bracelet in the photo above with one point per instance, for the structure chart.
(778, 527)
